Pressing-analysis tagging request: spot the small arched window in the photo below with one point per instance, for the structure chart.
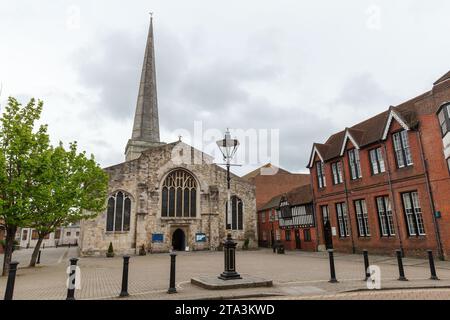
(237, 217)
(118, 212)
(179, 195)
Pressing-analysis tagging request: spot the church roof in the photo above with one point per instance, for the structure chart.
(146, 123)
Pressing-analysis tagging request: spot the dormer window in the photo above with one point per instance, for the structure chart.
(402, 150)
(444, 119)
(320, 174)
(355, 164)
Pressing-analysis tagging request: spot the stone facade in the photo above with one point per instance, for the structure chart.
(142, 180)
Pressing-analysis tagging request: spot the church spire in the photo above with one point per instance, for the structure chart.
(146, 122)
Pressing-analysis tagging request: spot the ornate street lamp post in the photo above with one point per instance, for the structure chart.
(228, 147)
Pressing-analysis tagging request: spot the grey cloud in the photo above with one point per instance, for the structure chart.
(362, 91)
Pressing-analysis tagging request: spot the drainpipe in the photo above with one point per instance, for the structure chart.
(314, 211)
(348, 207)
(391, 191)
(430, 197)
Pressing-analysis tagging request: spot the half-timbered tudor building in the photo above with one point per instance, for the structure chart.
(384, 184)
(297, 219)
(290, 218)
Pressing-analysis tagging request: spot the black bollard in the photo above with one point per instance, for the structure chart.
(39, 258)
(71, 287)
(124, 292)
(69, 245)
(172, 288)
(432, 267)
(332, 270)
(11, 280)
(43, 246)
(401, 271)
(366, 264)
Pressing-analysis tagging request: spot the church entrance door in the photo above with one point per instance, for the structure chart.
(179, 240)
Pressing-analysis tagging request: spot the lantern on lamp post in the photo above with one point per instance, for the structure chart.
(228, 147)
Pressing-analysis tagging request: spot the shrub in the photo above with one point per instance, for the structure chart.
(142, 251)
(110, 252)
(246, 243)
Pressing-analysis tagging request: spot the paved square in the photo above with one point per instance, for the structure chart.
(295, 275)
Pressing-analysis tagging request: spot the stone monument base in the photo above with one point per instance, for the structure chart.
(214, 283)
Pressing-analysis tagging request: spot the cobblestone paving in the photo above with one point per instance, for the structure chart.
(295, 274)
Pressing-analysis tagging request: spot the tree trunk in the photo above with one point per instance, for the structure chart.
(36, 251)
(10, 235)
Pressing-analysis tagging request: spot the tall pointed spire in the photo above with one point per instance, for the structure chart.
(146, 122)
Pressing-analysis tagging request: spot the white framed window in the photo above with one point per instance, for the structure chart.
(321, 174)
(448, 163)
(413, 213)
(401, 148)
(325, 214)
(385, 216)
(444, 119)
(355, 164)
(336, 167)
(362, 218)
(377, 161)
(342, 216)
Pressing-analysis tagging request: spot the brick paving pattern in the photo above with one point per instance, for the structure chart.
(295, 274)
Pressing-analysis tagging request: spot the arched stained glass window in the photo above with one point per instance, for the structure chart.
(237, 216)
(179, 196)
(118, 212)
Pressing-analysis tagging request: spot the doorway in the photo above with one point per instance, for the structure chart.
(298, 244)
(179, 240)
(328, 235)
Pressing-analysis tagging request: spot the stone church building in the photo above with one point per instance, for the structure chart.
(167, 195)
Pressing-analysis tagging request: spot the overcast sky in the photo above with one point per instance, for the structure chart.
(306, 68)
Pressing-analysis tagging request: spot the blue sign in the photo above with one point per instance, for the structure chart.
(157, 237)
(200, 237)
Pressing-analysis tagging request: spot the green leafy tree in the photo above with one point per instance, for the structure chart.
(69, 187)
(20, 147)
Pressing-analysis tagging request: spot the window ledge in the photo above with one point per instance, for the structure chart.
(406, 167)
(180, 218)
(420, 237)
(117, 232)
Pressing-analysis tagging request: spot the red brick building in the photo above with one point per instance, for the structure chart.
(270, 181)
(289, 217)
(384, 184)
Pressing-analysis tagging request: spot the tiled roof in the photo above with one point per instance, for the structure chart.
(267, 166)
(296, 196)
(443, 78)
(300, 195)
(273, 203)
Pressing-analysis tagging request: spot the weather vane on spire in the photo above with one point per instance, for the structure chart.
(151, 14)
